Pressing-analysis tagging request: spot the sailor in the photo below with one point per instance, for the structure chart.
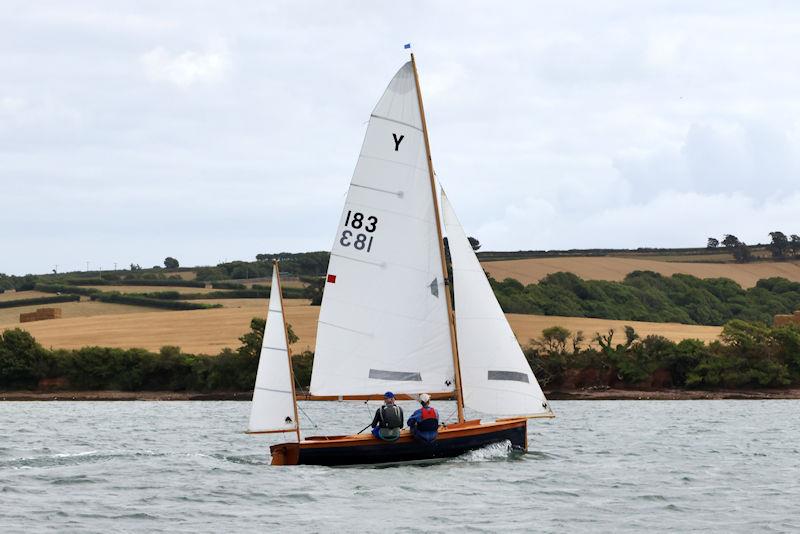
(424, 423)
(388, 420)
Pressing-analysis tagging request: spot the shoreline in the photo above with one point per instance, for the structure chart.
(582, 394)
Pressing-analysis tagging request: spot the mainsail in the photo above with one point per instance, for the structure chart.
(383, 323)
(495, 375)
(273, 407)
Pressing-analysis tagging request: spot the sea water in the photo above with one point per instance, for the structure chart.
(600, 466)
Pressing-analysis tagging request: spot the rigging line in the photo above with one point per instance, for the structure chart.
(297, 384)
(446, 419)
(315, 425)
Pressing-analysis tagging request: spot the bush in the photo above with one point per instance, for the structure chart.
(227, 285)
(137, 300)
(22, 360)
(648, 296)
(164, 282)
(38, 300)
(61, 288)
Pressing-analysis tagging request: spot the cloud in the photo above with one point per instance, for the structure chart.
(128, 134)
(757, 159)
(186, 68)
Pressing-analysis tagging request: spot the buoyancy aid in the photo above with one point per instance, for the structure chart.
(390, 417)
(430, 419)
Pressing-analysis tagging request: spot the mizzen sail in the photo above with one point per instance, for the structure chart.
(273, 407)
(383, 323)
(495, 376)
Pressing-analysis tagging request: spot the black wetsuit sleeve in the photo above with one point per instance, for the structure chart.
(377, 419)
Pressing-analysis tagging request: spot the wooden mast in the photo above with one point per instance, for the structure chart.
(450, 314)
(288, 350)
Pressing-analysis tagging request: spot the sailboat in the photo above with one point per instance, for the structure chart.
(387, 322)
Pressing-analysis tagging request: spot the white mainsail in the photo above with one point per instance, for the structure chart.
(495, 376)
(273, 407)
(383, 323)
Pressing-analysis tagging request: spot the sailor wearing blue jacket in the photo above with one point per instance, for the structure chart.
(424, 423)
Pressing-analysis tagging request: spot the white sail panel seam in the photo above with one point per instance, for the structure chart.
(385, 265)
(273, 348)
(389, 312)
(272, 390)
(398, 194)
(396, 121)
(382, 264)
(368, 334)
(382, 210)
(395, 162)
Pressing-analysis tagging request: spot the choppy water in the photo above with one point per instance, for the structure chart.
(601, 466)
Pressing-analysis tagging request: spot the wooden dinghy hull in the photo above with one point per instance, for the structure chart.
(454, 440)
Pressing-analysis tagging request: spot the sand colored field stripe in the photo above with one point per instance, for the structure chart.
(607, 268)
(208, 331)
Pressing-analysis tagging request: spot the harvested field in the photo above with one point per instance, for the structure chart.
(9, 317)
(257, 304)
(209, 331)
(530, 271)
(195, 331)
(18, 295)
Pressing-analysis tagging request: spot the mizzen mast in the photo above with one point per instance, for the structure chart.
(450, 314)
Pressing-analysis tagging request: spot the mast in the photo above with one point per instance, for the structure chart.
(288, 350)
(450, 314)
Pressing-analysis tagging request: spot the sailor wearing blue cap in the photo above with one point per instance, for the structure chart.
(388, 420)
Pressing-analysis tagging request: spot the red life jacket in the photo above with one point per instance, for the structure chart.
(430, 420)
(428, 413)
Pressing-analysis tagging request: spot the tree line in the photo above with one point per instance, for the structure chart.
(780, 246)
(649, 296)
(747, 355)
(24, 362)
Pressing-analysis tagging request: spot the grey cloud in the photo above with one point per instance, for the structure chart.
(563, 125)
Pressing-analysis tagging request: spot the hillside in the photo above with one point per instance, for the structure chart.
(532, 270)
(208, 331)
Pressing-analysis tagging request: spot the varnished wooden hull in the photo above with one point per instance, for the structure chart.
(453, 440)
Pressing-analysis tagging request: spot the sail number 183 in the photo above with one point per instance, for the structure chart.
(357, 221)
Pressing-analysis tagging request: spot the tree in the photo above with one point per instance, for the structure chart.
(630, 336)
(313, 291)
(171, 263)
(577, 339)
(779, 245)
(135, 267)
(476, 245)
(741, 253)
(604, 340)
(554, 339)
(730, 241)
(252, 340)
(713, 242)
(794, 244)
(23, 361)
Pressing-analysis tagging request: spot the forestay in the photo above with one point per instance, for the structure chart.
(273, 398)
(495, 376)
(383, 322)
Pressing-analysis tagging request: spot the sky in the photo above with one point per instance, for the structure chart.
(210, 131)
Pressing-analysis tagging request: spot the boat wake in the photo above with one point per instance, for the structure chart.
(495, 452)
